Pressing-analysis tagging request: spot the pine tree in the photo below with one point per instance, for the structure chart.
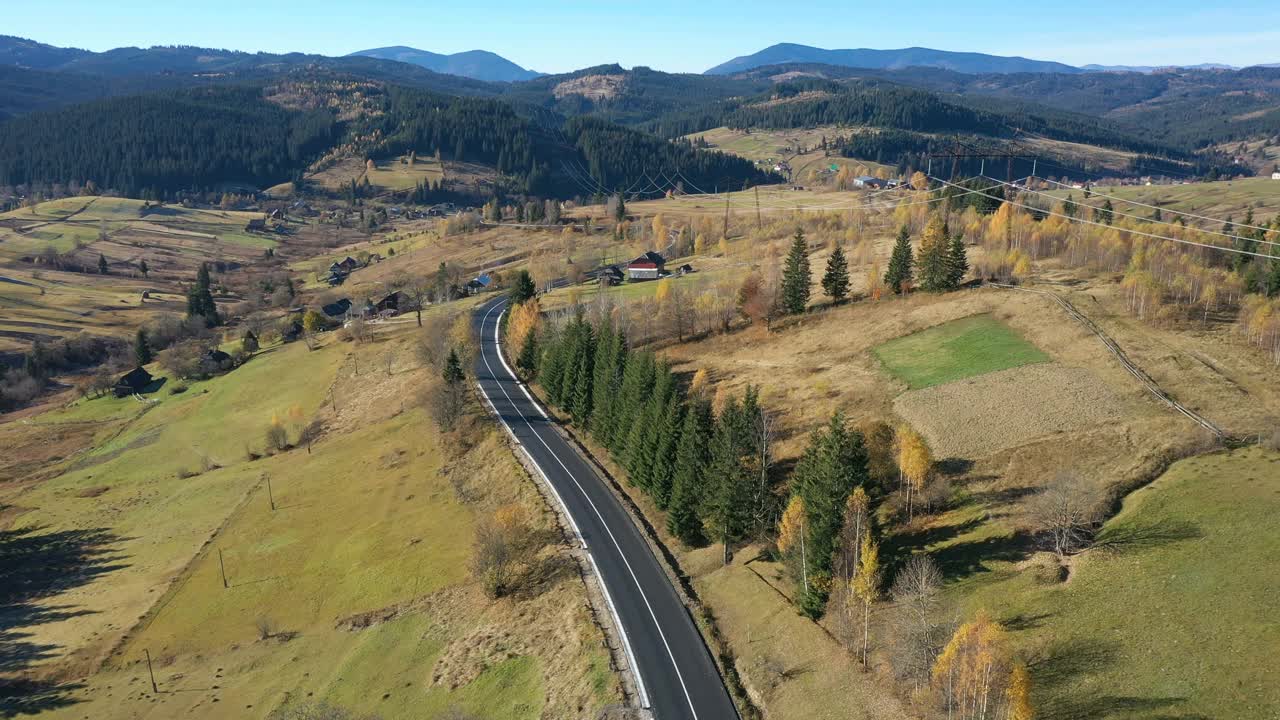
(606, 384)
(957, 261)
(620, 210)
(664, 453)
(527, 360)
(1107, 212)
(729, 478)
(524, 288)
(143, 268)
(200, 299)
(637, 384)
(899, 274)
(580, 405)
(933, 255)
(796, 276)
(832, 465)
(835, 281)
(103, 269)
(453, 373)
(642, 455)
(692, 456)
(141, 348)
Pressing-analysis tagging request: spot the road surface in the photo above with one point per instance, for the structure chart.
(678, 680)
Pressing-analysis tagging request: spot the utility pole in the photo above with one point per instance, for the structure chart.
(223, 567)
(154, 688)
(726, 215)
(759, 222)
(271, 497)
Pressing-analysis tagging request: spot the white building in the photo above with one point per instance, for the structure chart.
(1275, 176)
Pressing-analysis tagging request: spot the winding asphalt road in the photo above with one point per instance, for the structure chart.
(678, 679)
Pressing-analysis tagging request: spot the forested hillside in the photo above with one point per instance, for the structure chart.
(152, 144)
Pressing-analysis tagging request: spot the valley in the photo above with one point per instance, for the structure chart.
(824, 384)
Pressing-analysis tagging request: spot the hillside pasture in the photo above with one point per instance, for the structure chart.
(1171, 614)
(355, 588)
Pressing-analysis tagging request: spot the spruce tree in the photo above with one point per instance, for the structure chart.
(620, 210)
(551, 368)
(693, 454)
(524, 288)
(141, 348)
(957, 261)
(200, 299)
(833, 464)
(899, 273)
(102, 264)
(453, 373)
(1107, 213)
(835, 281)
(642, 445)
(143, 268)
(796, 276)
(610, 353)
(637, 384)
(664, 454)
(527, 360)
(580, 406)
(729, 478)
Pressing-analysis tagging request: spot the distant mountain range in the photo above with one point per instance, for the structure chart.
(963, 62)
(478, 64)
(890, 59)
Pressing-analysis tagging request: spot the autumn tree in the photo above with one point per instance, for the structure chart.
(796, 276)
(835, 281)
(975, 671)
(915, 462)
(791, 540)
(866, 587)
(933, 255)
(898, 277)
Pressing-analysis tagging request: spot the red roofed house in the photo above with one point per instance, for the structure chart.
(648, 266)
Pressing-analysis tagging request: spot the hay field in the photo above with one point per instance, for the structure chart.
(1007, 408)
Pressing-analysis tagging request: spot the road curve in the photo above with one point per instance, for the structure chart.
(678, 680)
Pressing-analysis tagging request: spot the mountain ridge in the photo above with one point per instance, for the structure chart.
(475, 64)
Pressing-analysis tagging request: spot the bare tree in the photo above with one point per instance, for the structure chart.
(918, 635)
(432, 344)
(1066, 513)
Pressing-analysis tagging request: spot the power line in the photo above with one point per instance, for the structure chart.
(1146, 220)
(1156, 207)
(1103, 225)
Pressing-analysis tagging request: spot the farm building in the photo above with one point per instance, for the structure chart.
(1275, 176)
(256, 225)
(649, 266)
(607, 275)
(215, 360)
(133, 382)
(866, 181)
(395, 303)
(337, 310)
(478, 284)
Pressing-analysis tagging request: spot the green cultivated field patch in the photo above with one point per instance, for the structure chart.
(959, 349)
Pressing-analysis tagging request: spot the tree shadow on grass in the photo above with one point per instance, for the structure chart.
(1058, 673)
(1133, 537)
(36, 566)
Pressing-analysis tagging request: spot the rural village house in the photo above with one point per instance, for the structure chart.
(649, 266)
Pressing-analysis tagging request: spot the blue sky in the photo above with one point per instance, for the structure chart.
(683, 36)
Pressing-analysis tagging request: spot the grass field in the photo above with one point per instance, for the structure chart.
(770, 146)
(355, 589)
(956, 350)
(1172, 615)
